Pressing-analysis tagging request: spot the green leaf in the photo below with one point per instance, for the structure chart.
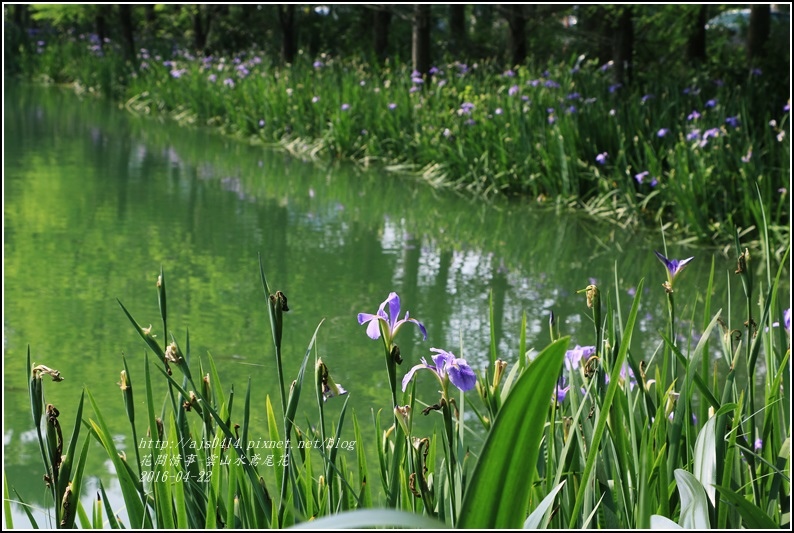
(365, 494)
(7, 502)
(498, 494)
(694, 505)
(535, 518)
(595, 442)
(129, 485)
(752, 515)
(25, 507)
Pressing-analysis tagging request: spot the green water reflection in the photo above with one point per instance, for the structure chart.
(96, 200)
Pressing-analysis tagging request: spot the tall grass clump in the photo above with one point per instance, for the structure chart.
(693, 152)
(582, 433)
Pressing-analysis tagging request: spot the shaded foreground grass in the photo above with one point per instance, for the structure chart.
(590, 436)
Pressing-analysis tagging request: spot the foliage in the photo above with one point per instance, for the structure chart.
(686, 149)
(594, 436)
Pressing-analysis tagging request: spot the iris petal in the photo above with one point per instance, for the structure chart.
(394, 309)
(373, 330)
(461, 375)
(407, 378)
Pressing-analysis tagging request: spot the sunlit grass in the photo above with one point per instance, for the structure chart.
(693, 153)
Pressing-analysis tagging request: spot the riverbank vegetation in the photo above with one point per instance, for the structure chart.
(690, 140)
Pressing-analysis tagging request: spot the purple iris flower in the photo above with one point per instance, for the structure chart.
(713, 132)
(674, 266)
(513, 90)
(602, 158)
(787, 319)
(575, 356)
(711, 103)
(641, 176)
(446, 366)
(466, 108)
(627, 374)
(733, 122)
(561, 391)
(390, 320)
(662, 132)
(694, 115)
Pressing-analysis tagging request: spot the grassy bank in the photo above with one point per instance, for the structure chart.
(697, 155)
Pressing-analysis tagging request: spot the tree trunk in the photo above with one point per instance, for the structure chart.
(289, 41)
(101, 23)
(623, 46)
(696, 46)
(758, 32)
(21, 15)
(420, 41)
(517, 23)
(596, 31)
(127, 30)
(457, 26)
(199, 29)
(380, 26)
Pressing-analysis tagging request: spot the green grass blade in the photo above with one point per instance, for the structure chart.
(96, 517)
(603, 415)
(112, 522)
(535, 518)
(85, 522)
(753, 517)
(147, 338)
(365, 493)
(498, 494)
(25, 507)
(129, 486)
(68, 460)
(7, 503)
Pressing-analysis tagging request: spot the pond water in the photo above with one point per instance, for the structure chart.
(96, 200)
